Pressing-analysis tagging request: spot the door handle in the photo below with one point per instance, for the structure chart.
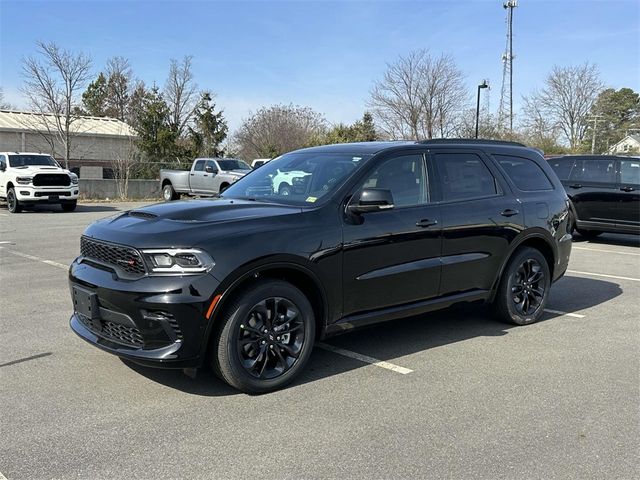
(509, 212)
(192, 174)
(425, 222)
(627, 189)
(205, 175)
(575, 185)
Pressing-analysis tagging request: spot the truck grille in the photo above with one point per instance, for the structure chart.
(123, 258)
(51, 180)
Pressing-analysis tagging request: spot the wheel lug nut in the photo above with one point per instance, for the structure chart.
(278, 338)
(271, 347)
(263, 342)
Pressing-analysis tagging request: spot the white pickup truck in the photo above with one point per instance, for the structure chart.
(27, 179)
(208, 176)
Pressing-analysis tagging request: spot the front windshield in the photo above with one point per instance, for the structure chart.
(28, 160)
(298, 178)
(233, 165)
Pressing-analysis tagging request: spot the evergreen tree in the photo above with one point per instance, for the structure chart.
(156, 140)
(209, 130)
(94, 99)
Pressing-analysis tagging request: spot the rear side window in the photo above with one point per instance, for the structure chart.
(630, 171)
(594, 170)
(562, 167)
(464, 175)
(199, 166)
(525, 173)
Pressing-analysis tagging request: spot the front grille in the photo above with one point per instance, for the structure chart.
(122, 333)
(124, 258)
(51, 180)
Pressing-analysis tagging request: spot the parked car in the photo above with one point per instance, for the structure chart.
(258, 162)
(375, 231)
(208, 176)
(604, 191)
(27, 179)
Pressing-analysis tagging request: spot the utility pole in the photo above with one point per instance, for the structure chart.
(594, 118)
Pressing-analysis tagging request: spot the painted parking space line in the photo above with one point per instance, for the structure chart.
(560, 312)
(5, 242)
(605, 251)
(365, 359)
(604, 275)
(2, 477)
(37, 259)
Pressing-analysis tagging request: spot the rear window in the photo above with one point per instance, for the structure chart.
(597, 170)
(562, 167)
(630, 171)
(463, 176)
(525, 173)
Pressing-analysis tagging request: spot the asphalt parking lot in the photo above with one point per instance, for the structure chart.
(456, 395)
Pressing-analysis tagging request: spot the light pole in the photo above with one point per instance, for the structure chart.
(482, 85)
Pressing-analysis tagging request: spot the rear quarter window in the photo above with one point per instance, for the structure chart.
(562, 167)
(525, 173)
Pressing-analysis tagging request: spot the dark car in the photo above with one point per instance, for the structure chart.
(604, 191)
(369, 232)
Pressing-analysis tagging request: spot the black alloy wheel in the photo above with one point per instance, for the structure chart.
(264, 336)
(524, 287)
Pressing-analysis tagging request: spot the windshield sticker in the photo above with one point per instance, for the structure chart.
(311, 199)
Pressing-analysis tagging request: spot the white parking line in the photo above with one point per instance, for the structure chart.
(365, 359)
(3, 243)
(603, 275)
(2, 477)
(606, 251)
(37, 259)
(568, 314)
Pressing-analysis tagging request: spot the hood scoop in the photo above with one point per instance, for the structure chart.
(142, 214)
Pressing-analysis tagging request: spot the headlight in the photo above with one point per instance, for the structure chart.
(177, 261)
(74, 178)
(24, 180)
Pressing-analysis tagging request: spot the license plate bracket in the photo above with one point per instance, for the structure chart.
(85, 303)
(54, 197)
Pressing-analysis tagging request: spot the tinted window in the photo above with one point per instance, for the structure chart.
(212, 164)
(199, 167)
(630, 171)
(562, 167)
(464, 175)
(404, 176)
(593, 170)
(525, 173)
(233, 165)
(26, 160)
(3, 160)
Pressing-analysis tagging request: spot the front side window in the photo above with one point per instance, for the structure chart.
(562, 167)
(593, 170)
(297, 178)
(524, 173)
(630, 171)
(32, 160)
(404, 177)
(464, 176)
(3, 161)
(212, 164)
(199, 166)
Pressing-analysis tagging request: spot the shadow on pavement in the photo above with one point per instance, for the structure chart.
(622, 240)
(390, 340)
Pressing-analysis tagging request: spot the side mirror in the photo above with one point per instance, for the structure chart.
(3, 167)
(209, 169)
(371, 200)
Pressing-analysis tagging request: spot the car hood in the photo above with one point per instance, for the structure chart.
(186, 223)
(34, 169)
(238, 173)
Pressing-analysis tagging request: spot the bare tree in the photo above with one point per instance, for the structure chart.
(565, 101)
(419, 96)
(119, 86)
(180, 93)
(278, 129)
(52, 85)
(4, 105)
(123, 163)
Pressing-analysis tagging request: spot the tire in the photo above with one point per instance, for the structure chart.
(69, 206)
(253, 361)
(525, 265)
(13, 204)
(223, 187)
(285, 189)
(589, 233)
(168, 193)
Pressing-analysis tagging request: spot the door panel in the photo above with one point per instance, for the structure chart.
(392, 257)
(593, 190)
(196, 178)
(629, 194)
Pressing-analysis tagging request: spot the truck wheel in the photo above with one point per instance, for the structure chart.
(69, 206)
(524, 288)
(13, 204)
(223, 187)
(168, 193)
(264, 338)
(284, 189)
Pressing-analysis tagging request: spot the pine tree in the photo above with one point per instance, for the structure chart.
(210, 128)
(94, 99)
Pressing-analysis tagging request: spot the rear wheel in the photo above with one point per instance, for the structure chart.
(168, 193)
(13, 205)
(223, 187)
(69, 206)
(524, 288)
(264, 338)
(284, 189)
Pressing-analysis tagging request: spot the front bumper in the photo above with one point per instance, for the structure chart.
(31, 194)
(155, 320)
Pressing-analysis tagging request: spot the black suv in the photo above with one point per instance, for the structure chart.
(604, 191)
(366, 232)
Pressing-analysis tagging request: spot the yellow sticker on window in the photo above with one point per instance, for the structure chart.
(311, 199)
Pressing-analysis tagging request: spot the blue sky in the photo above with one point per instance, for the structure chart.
(324, 54)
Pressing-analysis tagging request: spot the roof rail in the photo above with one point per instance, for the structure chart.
(439, 141)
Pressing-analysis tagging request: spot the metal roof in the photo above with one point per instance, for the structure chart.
(18, 121)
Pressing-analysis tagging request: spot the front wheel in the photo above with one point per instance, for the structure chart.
(69, 206)
(285, 189)
(264, 338)
(524, 288)
(13, 205)
(168, 193)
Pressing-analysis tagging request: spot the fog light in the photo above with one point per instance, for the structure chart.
(25, 193)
